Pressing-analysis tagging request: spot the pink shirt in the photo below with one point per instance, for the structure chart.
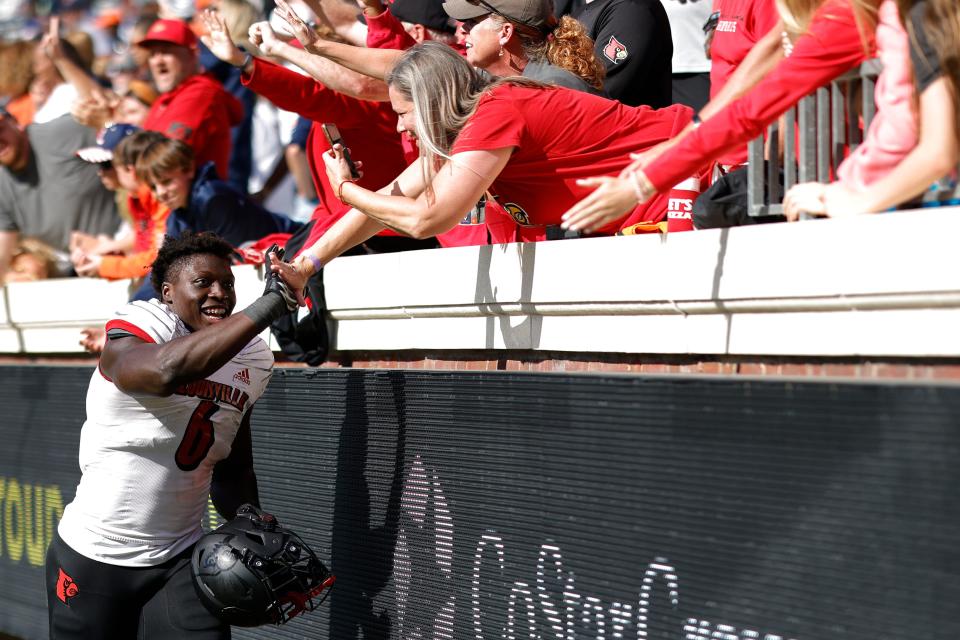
(893, 131)
(830, 47)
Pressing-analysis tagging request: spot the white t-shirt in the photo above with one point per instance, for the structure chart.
(147, 461)
(58, 104)
(686, 26)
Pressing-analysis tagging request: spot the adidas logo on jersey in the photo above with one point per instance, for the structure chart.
(242, 376)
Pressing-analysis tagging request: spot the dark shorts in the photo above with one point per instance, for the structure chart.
(89, 599)
(691, 89)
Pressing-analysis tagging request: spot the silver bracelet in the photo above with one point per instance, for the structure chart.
(637, 188)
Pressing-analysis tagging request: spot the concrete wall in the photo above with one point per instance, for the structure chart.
(869, 286)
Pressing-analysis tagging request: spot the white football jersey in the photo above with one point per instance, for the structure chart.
(147, 461)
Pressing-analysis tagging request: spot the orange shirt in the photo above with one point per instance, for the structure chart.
(22, 109)
(149, 219)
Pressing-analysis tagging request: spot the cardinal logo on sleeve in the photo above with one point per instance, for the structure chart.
(614, 51)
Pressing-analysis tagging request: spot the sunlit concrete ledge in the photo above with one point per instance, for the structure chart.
(46, 317)
(886, 285)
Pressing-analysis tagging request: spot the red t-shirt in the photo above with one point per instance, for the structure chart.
(831, 46)
(742, 24)
(200, 112)
(385, 31)
(368, 129)
(559, 136)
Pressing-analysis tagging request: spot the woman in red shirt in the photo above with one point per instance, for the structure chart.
(830, 37)
(523, 143)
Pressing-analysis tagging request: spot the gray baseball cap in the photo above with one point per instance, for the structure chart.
(536, 14)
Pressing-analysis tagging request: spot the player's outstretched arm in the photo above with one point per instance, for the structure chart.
(234, 481)
(136, 365)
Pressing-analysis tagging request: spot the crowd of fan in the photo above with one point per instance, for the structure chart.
(124, 121)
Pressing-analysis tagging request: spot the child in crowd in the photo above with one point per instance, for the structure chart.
(32, 260)
(130, 253)
(200, 201)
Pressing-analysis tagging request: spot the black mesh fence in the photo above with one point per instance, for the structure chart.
(500, 505)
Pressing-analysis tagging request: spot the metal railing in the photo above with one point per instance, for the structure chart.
(827, 126)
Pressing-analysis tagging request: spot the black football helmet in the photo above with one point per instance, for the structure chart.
(251, 571)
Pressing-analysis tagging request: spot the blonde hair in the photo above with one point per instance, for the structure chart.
(16, 67)
(445, 91)
(44, 254)
(566, 46)
(797, 14)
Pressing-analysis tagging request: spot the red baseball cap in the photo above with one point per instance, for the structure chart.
(173, 31)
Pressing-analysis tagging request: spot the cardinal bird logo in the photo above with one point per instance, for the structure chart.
(66, 587)
(615, 52)
(518, 214)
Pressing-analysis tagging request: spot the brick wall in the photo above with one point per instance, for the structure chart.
(915, 369)
(897, 369)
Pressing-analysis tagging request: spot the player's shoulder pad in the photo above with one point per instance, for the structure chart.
(150, 321)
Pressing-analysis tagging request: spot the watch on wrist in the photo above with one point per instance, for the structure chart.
(247, 59)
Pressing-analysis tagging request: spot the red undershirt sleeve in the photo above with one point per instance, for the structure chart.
(832, 46)
(386, 32)
(305, 96)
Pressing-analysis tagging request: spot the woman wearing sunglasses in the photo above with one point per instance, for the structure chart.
(502, 37)
(524, 38)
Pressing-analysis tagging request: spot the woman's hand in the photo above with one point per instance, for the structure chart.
(88, 265)
(612, 200)
(840, 201)
(338, 171)
(804, 198)
(218, 39)
(301, 30)
(262, 36)
(50, 44)
(294, 274)
(95, 111)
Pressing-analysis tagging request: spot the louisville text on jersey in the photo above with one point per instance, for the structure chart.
(216, 391)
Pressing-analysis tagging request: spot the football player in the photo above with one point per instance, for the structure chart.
(168, 423)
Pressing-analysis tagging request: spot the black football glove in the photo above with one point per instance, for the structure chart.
(275, 284)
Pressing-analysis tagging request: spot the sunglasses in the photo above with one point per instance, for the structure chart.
(106, 165)
(507, 17)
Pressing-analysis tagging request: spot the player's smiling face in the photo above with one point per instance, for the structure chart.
(201, 292)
